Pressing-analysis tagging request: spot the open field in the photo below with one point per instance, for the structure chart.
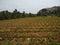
(30, 31)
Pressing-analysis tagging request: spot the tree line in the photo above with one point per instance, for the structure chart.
(16, 14)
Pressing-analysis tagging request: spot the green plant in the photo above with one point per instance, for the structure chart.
(50, 37)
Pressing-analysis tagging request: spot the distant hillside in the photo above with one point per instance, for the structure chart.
(4, 15)
(52, 10)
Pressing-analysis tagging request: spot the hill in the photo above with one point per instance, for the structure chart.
(50, 11)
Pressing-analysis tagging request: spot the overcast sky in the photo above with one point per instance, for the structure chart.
(27, 5)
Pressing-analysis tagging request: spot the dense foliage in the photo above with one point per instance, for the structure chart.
(16, 14)
(12, 15)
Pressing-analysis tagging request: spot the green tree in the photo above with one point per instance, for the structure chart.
(23, 14)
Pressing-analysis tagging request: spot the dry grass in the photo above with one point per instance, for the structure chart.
(37, 28)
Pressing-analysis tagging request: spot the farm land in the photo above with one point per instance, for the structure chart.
(30, 31)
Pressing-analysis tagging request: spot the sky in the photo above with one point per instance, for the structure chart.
(32, 6)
